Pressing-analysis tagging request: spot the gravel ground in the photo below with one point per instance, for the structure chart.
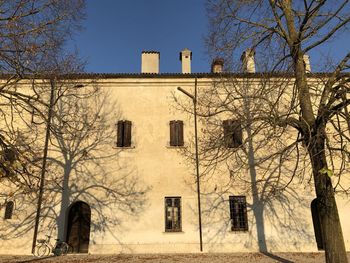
(178, 258)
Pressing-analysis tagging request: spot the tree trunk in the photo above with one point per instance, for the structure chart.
(257, 206)
(333, 241)
(315, 139)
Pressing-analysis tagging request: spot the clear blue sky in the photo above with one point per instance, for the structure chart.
(116, 31)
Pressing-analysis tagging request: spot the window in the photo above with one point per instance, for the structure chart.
(124, 134)
(172, 214)
(232, 133)
(317, 224)
(176, 133)
(9, 210)
(9, 155)
(238, 213)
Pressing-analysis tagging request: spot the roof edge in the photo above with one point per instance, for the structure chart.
(84, 75)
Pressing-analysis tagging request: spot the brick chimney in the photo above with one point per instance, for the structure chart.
(217, 65)
(248, 63)
(150, 62)
(185, 58)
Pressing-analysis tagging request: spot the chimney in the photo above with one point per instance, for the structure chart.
(217, 65)
(247, 58)
(150, 61)
(307, 63)
(185, 58)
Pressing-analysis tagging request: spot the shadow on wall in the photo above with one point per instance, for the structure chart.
(83, 173)
(276, 220)
(274, 216)
(242, 155)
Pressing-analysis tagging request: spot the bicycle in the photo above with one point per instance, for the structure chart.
(44, 247)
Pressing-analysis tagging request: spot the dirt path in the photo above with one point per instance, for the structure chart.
(176, 258)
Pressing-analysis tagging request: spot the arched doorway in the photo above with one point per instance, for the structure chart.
(78, 227)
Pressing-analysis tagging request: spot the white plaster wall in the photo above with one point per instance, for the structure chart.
(149, 104)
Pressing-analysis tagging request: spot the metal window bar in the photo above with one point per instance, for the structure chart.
(172, 214)
(238, 213)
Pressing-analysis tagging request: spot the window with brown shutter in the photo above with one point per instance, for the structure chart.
(176, 133)
(124, 133)
(127, 134)
(238, 213)
(9, 210)
(232, 133)
(10, 155)
(120, 134)
(172, 214)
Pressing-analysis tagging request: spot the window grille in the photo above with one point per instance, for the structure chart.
(238, 213)
(172, 214)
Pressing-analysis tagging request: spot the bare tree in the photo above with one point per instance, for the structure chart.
(33, 33)
(287, 30)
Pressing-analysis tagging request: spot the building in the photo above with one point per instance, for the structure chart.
(144, 198)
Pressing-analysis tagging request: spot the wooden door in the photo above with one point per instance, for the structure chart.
(78, 227)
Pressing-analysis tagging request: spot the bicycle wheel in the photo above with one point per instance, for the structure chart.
(64, 248)
(70, 249)
(42, 250)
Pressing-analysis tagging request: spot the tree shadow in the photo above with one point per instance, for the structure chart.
(268, 168)
(36, 259)
(275, 257)
(83, 165)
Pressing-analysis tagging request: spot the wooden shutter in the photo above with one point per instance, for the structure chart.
(228, 136)
(9, 210)
(173, 137)
(127, 134)
(10, 155)
(232, 133)
(120, 134)
(317, 224)
(180, 133)
(237, 133)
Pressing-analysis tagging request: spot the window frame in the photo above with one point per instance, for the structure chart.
(238, 219)
(173, 228)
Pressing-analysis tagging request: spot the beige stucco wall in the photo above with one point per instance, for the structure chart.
(149, 104)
